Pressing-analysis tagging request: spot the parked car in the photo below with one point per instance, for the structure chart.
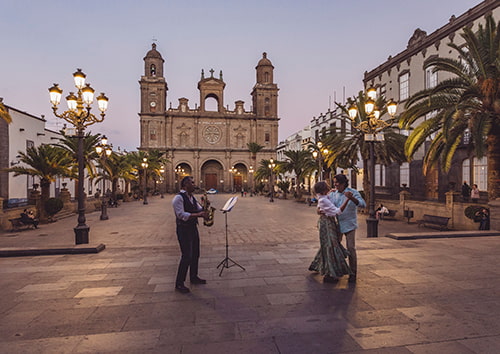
(212, 191)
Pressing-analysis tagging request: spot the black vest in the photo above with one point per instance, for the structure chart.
(190, 208)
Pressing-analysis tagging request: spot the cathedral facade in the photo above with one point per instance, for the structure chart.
(210, 145)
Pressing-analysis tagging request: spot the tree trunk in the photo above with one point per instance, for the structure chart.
(44, 196)
(493, 143)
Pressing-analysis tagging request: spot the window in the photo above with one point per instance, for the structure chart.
(267, 137)
(404, 86)
(379, 175)
(431, 78)
(382, 90)
(152, 134)
(404, 174)
(153, 70)
(466, 170)
(466, 137)
(481, 173)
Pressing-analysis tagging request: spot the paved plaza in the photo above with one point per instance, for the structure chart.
(437, 295)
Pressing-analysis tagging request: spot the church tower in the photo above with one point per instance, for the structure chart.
(153, 97)
(265, 92)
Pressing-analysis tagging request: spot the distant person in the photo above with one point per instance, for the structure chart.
(484, 219)
(381, 212)
(474, 193)
(330, 260)
(28, 218)
(187, 211)
(466, 191)
(348, 220)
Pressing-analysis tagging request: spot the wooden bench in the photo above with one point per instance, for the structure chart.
(390, 215)
(17, 224)
(440, 222)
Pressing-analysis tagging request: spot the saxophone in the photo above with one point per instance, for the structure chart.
(209, 221)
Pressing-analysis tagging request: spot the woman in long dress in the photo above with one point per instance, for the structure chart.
(330, 261)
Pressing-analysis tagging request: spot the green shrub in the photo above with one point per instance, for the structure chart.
(53, 206)
(471, 210)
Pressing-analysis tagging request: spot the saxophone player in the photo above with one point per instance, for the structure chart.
(187, 211)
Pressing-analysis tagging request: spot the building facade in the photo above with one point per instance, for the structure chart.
(402, 76)
(25, 130)
(210, 145)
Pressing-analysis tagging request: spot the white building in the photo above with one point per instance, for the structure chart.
(25, 130)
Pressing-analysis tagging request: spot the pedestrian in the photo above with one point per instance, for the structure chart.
(187, 211)
(348, 220)
(28, 218)
(466, 190)
(474, 193)
(330, 260)
(484, 219)
(381, 212)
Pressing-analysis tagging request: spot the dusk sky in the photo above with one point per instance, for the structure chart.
(318, 48)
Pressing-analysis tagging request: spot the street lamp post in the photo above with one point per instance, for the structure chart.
(371, 127)
(78, 114)
(162, 172)
(103, 150)
(271, 166)
(318, 155)
(250, 178)
(145, 165)
(232, 171)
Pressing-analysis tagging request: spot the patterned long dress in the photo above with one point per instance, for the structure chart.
(331, 257)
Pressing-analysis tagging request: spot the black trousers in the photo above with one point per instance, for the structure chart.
(189, 242)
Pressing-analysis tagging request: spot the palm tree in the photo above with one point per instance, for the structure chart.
(70, 145)
(254, 148)
(468, 102)
(345, 153)
(45, 162)
(114, 168)
(299, 162)
(4, 113)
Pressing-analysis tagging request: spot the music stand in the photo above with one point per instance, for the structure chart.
(225, 262)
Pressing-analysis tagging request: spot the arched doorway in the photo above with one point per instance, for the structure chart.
(240, 177)
(212, 176)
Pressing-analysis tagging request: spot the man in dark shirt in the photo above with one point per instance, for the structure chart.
(187, 211)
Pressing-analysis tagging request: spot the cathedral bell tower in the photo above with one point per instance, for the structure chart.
(265, 92)
(153, 85)
(153, 100)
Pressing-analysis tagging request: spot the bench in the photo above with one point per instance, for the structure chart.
(390, 215)
(17, 224)
(440, 222)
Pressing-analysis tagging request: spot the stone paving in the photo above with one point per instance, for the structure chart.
(412, 296)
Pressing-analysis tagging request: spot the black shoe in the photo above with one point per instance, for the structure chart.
(198, 281)
(328, 279)
(352, 279)
(182, 289)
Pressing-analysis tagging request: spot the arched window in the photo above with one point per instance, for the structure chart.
(152, 70)
(211, 104)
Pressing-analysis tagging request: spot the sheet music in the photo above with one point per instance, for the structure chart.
(229, 204)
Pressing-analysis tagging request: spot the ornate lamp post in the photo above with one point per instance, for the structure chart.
(162, 172)
(78, 114)
(371, 127)
(271, 166)
(232, 171)
(145, 165)
(104, 150)
(250, 178)
(319, 155)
